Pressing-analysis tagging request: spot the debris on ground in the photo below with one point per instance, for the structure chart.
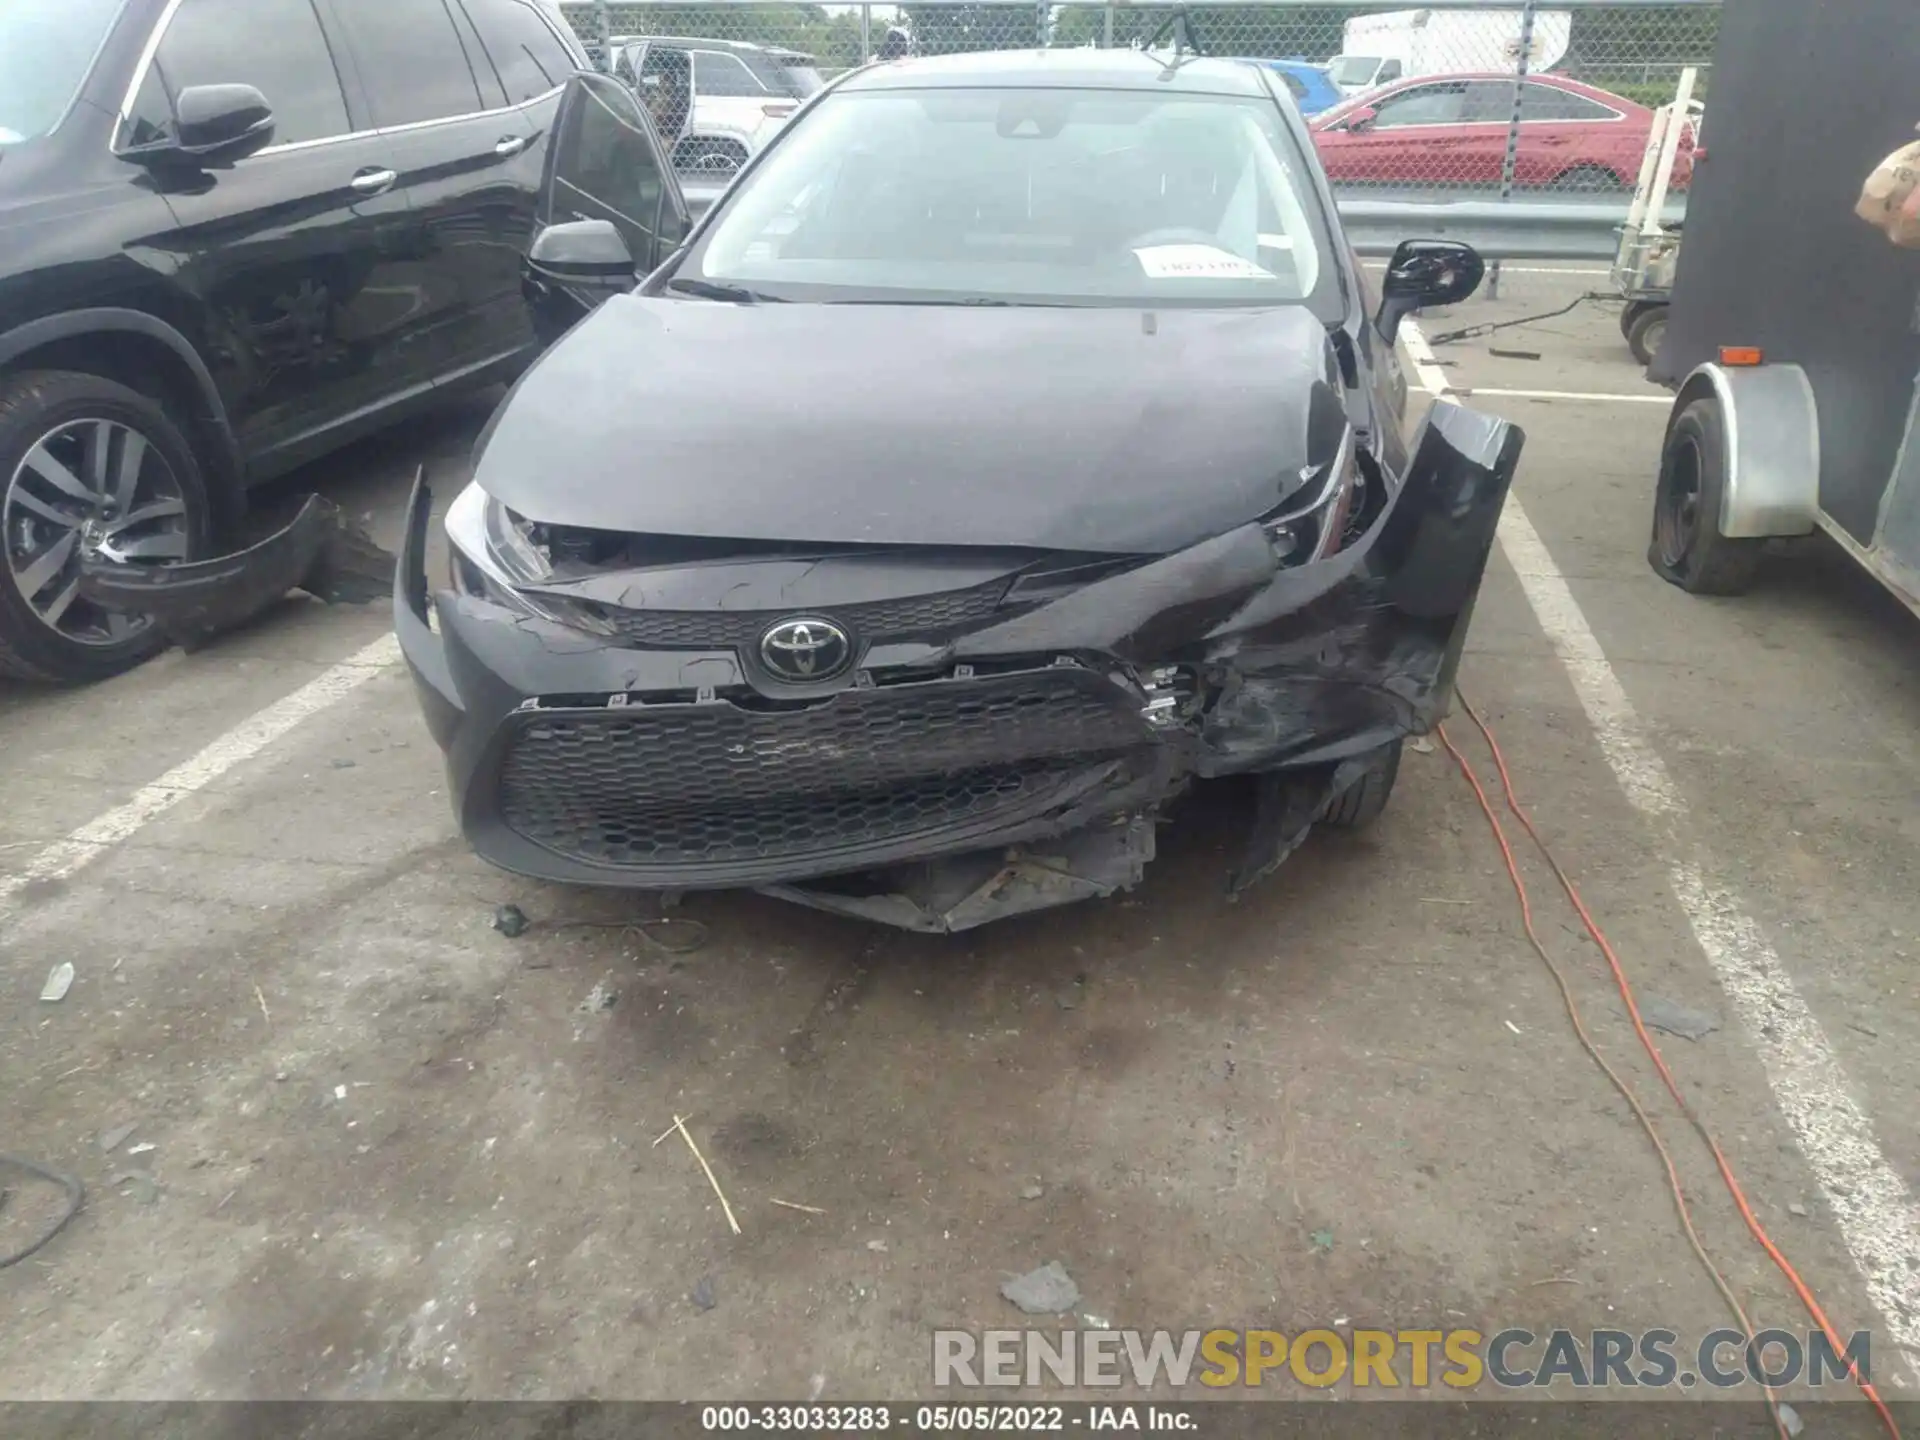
(1790, 1419)
(1322, 1241)
(143, 1148)
(139, 1184)
(703, 1297)
(1420, 745)
(601, 998)
(1033, 1192)
(76, 1197)
(680, 1125)
(792, 1204)
(1513, 354)
(1046, 1291)
(511, 921)
(59, 981)
(343, 764)
(1796, 1208)
(879, 1247)
(1681, 1020)
(112, 1140)
(816, 1387)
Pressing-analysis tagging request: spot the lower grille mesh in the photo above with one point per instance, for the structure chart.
(876, 620)
(715, 784)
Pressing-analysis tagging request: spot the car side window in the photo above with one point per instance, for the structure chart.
(1491, 102)
(605, 153)
(531, 59)
(1422, 105)
(411, 61)
(717, 74)
(1549, 102)
(276, 46)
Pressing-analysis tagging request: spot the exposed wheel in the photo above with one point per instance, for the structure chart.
(1360, 804)
(1688, 548)
(1649, 330)
(1588, 180)
(1631, 312)
(87, 467)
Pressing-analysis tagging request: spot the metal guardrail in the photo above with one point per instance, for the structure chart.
(1500, 230)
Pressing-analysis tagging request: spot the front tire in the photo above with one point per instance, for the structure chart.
(1360, 804)
(1688, 549)
(87, 466)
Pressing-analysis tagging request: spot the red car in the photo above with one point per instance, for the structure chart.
(1452, 130)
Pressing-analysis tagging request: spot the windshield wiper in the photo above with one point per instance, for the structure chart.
(707, 290)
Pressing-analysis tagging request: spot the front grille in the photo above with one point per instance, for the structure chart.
(873, 620)
(717, 784)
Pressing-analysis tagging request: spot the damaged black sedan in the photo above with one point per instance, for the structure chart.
(1015, 443)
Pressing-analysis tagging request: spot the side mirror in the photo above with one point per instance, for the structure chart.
(582, 252)
(219, 124)
(1423, 273)
(1362, 119)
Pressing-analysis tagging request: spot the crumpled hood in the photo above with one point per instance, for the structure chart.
(1096, 429)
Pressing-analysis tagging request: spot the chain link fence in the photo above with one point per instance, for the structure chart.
(1457, 100)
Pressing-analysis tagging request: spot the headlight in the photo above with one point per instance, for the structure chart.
(1310, 523)
(494, 553)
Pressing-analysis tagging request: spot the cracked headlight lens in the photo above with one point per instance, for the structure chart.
(1310, 523)
(495, 553)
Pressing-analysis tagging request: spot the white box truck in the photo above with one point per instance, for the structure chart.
(1378, 49)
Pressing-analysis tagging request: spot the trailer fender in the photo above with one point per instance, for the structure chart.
(1772, 425)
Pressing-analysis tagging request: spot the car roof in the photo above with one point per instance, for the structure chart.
(1076, 69)
(702, 42)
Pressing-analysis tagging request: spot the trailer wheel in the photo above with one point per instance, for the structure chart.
(1688, 549)
(1649, 330)
(1631, 312)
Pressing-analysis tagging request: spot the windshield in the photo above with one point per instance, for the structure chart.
(1024, 195)
(1353, 69)
(46, 48)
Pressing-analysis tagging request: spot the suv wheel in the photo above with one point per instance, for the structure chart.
(87, 467)
(1360, 804)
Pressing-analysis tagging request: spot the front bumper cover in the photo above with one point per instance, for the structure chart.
(1013, 768)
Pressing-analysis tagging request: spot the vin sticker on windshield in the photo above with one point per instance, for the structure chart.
(1197, 262)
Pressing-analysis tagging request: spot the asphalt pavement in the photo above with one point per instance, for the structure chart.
(394, 1153)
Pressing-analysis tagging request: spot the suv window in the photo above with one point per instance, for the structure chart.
(531, 59)
(46, 47)
(411, 60)
(278, 48)
(717, 74)
(602, 135)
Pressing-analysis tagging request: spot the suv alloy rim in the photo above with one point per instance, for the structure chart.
(88, 488)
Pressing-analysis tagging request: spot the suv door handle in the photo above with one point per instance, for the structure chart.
(509, 147)
(373, 182)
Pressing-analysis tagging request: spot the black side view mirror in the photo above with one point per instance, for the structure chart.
(1423, 273)
(219, 124)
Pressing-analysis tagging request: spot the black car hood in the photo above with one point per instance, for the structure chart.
(1090, 429)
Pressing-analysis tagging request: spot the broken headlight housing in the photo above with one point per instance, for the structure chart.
(1311, 522)
(495, 553)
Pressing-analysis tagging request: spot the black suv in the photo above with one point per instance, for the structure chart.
(235, 234)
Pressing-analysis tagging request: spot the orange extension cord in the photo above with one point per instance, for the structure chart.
(1625, 987)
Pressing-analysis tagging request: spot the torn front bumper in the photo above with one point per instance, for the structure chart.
(1011, 767)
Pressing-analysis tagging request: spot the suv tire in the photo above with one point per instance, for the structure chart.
(1360, 804)
(61, 417)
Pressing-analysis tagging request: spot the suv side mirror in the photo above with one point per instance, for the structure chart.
(582, 252)
(1423, 273)
(219, 124)
(1362, 119)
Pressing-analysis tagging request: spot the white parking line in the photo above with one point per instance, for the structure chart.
(1879, 1220)
(65, 857)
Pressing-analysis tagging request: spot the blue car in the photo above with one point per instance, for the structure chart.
(1309, 84)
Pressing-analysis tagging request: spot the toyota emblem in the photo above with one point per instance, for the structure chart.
(806, 650)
